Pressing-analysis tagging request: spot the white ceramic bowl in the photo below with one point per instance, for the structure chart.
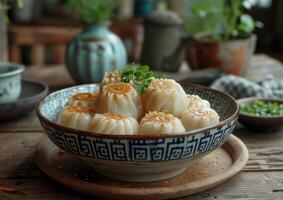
(10, 81)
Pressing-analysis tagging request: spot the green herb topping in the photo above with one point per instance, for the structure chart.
(260, 108)
(139, 77)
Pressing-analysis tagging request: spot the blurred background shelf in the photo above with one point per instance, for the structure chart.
(41, 36)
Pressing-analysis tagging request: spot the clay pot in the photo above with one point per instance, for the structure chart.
(232, 56)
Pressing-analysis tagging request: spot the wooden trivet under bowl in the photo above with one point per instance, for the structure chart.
(208, 172)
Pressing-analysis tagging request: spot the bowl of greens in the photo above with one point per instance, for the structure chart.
(261, 114)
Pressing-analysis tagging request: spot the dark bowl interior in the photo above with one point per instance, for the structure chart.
(260, 123)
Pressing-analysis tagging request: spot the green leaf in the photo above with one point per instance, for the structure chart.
(259, 24)
(20, 3)
(91, 11)
(203, 16)
(247, 4)
(6, 19)
(246, 24)
(139, 77)
(225, 16)
(5, 5)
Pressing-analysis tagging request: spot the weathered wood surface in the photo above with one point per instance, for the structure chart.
(262, 178)
(26, 123)
(261, 65)
(18, 170)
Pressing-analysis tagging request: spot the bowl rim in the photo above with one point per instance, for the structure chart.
(17, 69)
(249, 99)
(136, 137)
(42, 93)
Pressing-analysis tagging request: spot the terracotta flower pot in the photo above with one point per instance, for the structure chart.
(232, 56)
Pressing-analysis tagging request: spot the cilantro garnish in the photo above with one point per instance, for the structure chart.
(139, 77)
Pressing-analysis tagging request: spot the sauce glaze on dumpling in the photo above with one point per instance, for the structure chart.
(111, 123)
(156, 123)
(120, 98)
(75, 117)
(199, 118)
(165, 95)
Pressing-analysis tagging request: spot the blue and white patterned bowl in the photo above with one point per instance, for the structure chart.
(139, 158)
(10, 81)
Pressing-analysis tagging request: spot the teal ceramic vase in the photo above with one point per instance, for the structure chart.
(93, 52)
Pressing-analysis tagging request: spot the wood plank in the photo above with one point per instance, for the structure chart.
(262, 65)
(265, 149)
(266, 159)
(41, 188)
(59, 54)
(17, 153)
(19, 170)
(60, 77)
(15, 53)
(37, 54)
(256, 140)
(28, 123)
(251, 186)
(32, 35)
(246, 185)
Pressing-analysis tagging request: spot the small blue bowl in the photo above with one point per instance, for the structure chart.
(139, 158)
(10, 81)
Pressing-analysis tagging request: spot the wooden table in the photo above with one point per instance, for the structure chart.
(262, 178)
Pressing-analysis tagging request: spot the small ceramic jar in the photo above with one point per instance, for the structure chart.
(163, 46)
(10, 81)
(93, 52)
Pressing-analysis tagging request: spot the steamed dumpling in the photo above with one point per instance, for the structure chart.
(120, 98)
(199, 118)
(111, 77)
(156, 123)
(165, 95)
(75, 117)
(111, 123)
(84, 100)
(195, 102)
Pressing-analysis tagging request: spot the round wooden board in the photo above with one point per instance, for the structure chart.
(207, 172)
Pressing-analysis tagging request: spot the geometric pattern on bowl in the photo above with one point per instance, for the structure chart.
(139, 148)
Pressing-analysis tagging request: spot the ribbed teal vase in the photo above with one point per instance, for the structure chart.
(93, 52)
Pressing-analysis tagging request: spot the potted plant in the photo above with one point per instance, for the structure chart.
(96, 49)
(222, 35)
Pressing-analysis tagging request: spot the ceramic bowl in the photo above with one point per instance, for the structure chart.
(260, 123)
(10, 81)
(31, 93)
(139, 158)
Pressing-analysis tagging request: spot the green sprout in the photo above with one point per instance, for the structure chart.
(139, 76)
